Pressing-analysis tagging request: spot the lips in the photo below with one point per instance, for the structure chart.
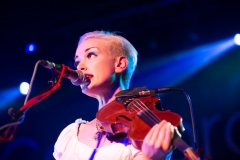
(88, 75)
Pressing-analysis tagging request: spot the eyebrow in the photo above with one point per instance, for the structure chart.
(85, 51)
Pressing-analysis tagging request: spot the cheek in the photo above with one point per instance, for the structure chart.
(106, 67)
(103, 70)
(107, 73)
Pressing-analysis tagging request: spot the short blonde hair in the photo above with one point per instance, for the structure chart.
(119, 46)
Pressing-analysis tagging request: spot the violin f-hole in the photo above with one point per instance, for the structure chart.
(123, 116)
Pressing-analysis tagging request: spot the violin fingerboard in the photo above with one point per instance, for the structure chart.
(148, 117)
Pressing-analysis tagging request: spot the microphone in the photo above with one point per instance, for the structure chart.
(142, 91)
(77, 77)
(152, 92)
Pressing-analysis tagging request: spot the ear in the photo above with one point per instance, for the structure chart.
(121, 64)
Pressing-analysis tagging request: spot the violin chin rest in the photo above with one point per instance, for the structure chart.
(119, 136)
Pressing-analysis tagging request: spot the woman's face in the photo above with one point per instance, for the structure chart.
(93, 57)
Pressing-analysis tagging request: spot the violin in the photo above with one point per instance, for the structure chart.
(133, 118)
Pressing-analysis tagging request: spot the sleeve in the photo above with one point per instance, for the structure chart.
(63, 140)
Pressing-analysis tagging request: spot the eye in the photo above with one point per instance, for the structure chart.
(76, 64)
(90, 55)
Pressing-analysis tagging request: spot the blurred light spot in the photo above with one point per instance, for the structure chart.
(237, 39)
(31, 47)
(24, 88)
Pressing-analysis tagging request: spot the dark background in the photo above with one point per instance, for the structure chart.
(157, 29)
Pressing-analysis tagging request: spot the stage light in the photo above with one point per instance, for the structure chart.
(31, 47)
(237, 39)
(172, 70)
(24, 88)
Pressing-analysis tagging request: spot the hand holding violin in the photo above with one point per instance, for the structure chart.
(157, 143)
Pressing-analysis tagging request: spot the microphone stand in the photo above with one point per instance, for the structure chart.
(17, 116)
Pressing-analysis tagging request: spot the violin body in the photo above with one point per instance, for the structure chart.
(134, 117)
(120, 120)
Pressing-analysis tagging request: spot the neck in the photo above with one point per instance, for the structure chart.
(107, 98)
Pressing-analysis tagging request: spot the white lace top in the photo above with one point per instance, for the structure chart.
(68, 147)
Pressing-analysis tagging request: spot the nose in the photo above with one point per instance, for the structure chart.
(81, 66)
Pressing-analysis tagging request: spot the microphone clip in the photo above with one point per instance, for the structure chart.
(16, 115)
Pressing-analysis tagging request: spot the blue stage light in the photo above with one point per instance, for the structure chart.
(31, 47)
(237, 39)
(24, 88)
(174, 69)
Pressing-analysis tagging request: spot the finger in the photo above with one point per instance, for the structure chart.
(148, 137)
(156, 133)
(168, 137)
(153, 133)
(160, 137)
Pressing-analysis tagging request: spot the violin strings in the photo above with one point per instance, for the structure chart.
(151, 119)
(147, 113)
(152, 115)
(142, 107)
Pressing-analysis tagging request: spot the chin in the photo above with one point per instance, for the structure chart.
(89, 91)
(93, 91)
